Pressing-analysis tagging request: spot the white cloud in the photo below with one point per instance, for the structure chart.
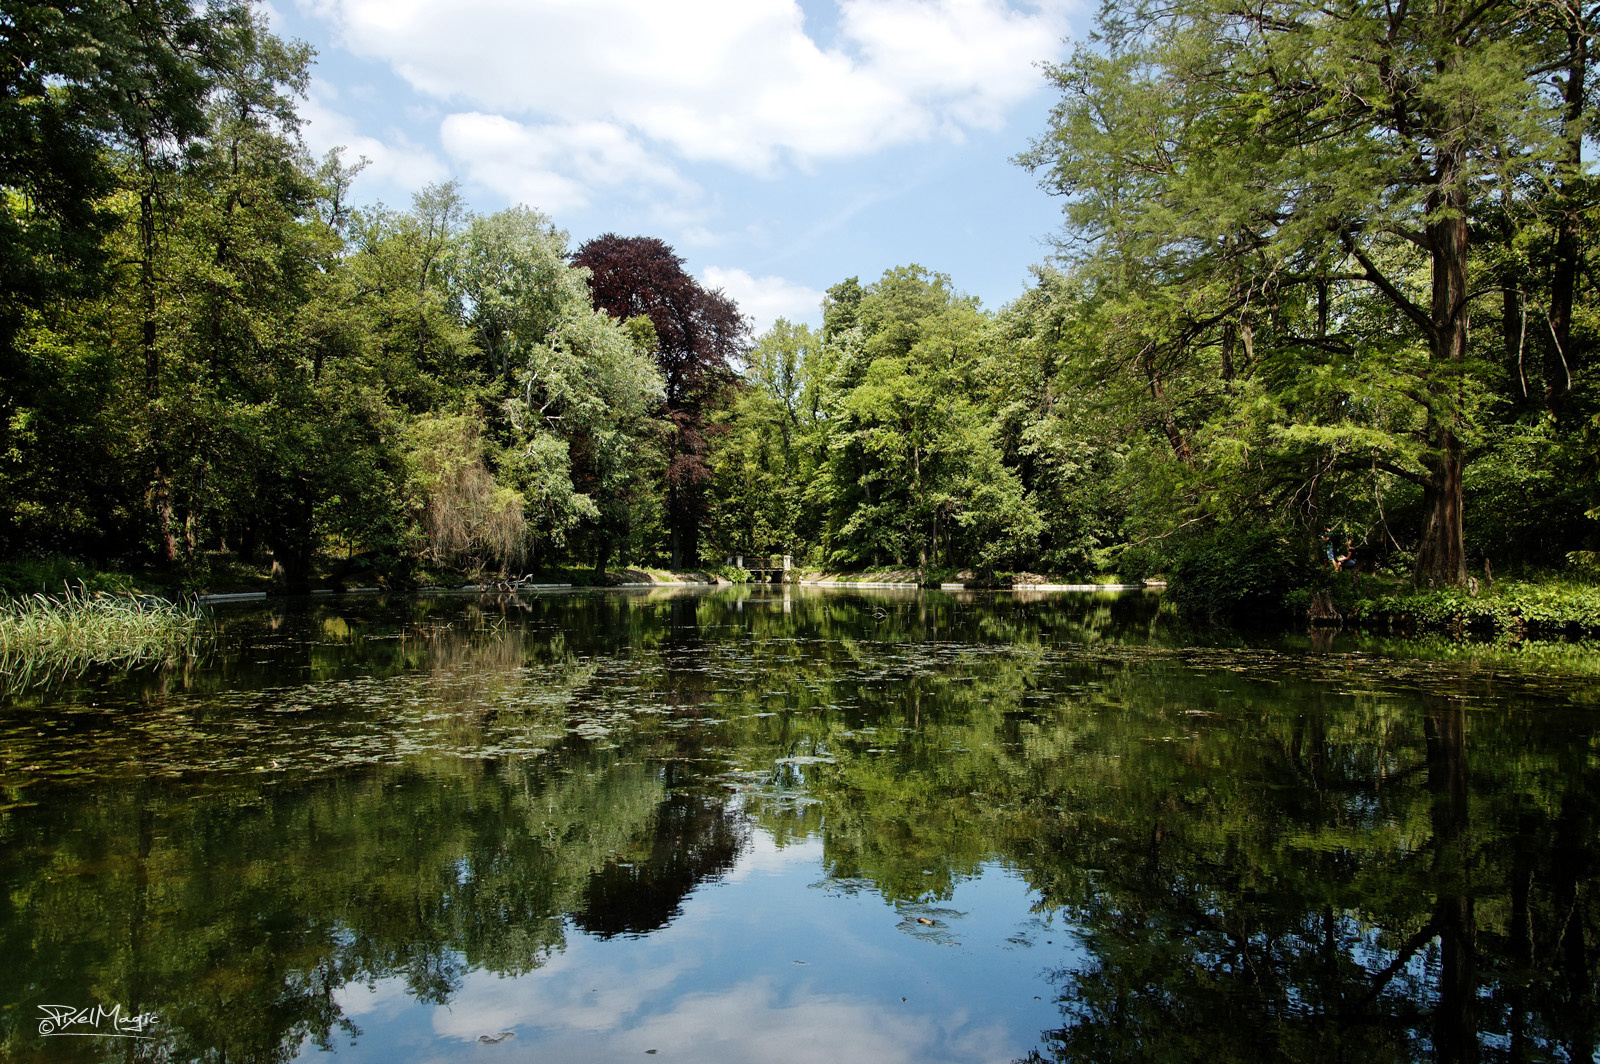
(553, 167)
(397, 162)
(764, 299)
(969, 60)
(736, 82)
(613, 1010)
(552, 998)
(764, 857)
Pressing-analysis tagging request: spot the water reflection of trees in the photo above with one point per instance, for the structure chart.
(638, 892)
(1367, 917)
(237, 907)
(1316, 864)
(237, 914)
(1338, 863)
(1273, 875)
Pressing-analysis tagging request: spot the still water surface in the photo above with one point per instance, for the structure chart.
(758, 825)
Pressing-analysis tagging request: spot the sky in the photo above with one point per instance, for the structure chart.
(780, 146)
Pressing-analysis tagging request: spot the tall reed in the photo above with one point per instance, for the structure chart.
(80, 628)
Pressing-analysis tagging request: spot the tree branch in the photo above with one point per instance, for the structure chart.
(1400, 471)
(1416, 237)
(1387, 287)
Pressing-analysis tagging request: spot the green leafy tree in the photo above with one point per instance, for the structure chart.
(699, 335)
(95, 97)
(401, 264)
(764, 459)
(578, 387)
(913, 470)
(1220, 160)
(1070, 446)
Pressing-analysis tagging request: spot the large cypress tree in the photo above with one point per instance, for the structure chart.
(1225, 154)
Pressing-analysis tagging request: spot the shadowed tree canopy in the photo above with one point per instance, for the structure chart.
(699, 335)
(83, 87)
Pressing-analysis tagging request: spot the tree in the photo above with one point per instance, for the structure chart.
(913, 471)
(1220, 157)
(1069, 450)
(410, 303)
(513, 273)
(574, 387)
(764, 459)
(699, 335)
(86, 90)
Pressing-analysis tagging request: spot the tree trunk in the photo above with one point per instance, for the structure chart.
(1513, 322)
(1442, 557)
(1230, 340)
(690, 540)
(293, 543)
(160, 486)
(1564, 276)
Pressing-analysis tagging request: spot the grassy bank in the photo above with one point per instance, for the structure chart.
(1555, 605)
(82, 627)
(28, 576)
(220, 573)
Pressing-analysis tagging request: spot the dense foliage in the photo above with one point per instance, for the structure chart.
(1286, 218)
(1281, 223)
(697, 335)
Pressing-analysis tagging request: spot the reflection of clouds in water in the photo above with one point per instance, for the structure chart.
(585, 989)
(816, 975)
(750, 1023)
(386, 997)
(763, 856)
(575, 992)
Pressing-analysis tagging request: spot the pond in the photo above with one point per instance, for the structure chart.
(800, 825)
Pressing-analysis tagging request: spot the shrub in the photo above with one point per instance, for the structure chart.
(1236, 574)
(1548, 606)
(21, 577)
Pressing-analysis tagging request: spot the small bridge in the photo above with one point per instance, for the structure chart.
(768, 567)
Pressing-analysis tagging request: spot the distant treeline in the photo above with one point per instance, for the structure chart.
(1327, 272)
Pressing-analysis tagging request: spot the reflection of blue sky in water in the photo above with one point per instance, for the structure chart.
(769, 963)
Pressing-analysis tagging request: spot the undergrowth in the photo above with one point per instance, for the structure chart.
(1550, 605)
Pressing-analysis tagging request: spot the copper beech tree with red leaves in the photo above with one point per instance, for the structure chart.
(699, 333)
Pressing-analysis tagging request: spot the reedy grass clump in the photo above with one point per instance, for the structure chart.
(82, 628)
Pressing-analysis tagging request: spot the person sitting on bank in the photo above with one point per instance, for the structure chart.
(1350, 562)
